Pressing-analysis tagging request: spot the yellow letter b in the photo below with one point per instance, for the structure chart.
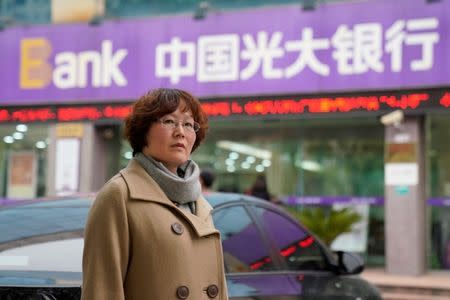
(35, 71)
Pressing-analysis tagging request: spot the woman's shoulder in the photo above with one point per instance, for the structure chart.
(113, 187)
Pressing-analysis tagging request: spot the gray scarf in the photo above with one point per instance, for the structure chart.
(181, 189)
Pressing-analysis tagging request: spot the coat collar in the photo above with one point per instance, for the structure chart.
(142, 187)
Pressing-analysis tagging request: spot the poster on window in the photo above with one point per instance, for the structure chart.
(356, 239)
(67, 166)
(22, 168)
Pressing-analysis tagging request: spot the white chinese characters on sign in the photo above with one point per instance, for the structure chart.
(410, 33)
(218, 58)
(306, 47)
(262, 52)
(175, 69)
(356, 50)
(359, 50)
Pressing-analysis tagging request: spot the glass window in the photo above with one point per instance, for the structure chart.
(23, 160)
(297, 157)
(243, 247)
(302, 157)
(438, 155)
(298, 248)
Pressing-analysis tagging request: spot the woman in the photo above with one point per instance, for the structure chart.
(149, 233)
(259, 188)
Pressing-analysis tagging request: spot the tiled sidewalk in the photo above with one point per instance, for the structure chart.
(432, 279)
(433, 285)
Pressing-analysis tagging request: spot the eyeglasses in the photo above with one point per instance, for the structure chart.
(170, 123)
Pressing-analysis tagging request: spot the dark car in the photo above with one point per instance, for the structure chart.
(267, 254)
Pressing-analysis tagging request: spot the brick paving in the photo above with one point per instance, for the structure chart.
(433, 285)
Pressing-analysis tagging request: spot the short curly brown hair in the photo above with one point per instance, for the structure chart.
(156, 104)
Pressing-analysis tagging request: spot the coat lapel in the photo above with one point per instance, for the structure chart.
(142, 187)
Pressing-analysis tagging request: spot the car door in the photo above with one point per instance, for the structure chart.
(251, 270)
(305, 259)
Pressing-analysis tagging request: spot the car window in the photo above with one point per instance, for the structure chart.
(296, 246)
(243, 247)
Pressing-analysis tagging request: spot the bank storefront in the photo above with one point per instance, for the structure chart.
(294, 99)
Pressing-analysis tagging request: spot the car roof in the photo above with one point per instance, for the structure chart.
(42, 217)
(47, 216)
(217, 199)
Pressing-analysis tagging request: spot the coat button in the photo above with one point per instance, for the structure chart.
(177, 228)
(212, 291)
(182, 292)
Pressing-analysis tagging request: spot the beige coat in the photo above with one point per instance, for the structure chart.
(139, 245)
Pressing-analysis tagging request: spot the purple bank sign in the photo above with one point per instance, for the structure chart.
(366, 45)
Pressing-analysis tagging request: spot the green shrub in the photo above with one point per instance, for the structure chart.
(325, 222)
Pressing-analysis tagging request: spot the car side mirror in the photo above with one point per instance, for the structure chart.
(349, 263)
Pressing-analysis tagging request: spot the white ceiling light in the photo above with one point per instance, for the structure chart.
(245, 149)
(22, 128)
(245, 165)
(231, 169)
(8, 139)
(18, 135)
(233, 155)
(266, 163)
(128, 155)
(309, 165)
(40, 144)
(250, 159)
(229, 162)
(259, 168)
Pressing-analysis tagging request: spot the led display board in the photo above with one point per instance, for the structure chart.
(332, 105)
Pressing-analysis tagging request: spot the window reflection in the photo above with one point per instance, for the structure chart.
(297, 247)
(238, 232)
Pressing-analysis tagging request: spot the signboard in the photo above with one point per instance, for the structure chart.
(363, 45)
(333, 200)
(401, 152)
(396, 174)
(69, 130)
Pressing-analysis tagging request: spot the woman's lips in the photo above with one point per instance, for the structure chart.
(179, 145)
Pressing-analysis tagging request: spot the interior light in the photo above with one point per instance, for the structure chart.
(245, 149)
(128, 155)
(229, 162)
(22, 128)
(259, 168)
(41, 145)
(18, 135)
(231, 169)
(8, 139)
(310, 165)
(233, 155)
(266, 163)
(251, 159)
(245, 165)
